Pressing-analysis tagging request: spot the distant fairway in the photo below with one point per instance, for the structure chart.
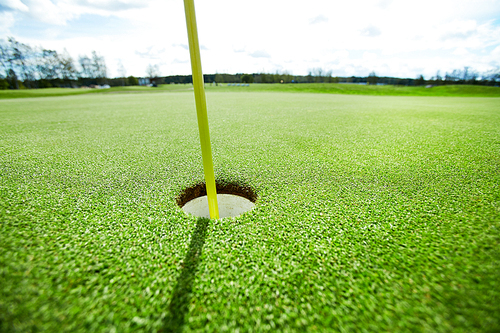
(374, 213)
(324, 88)
(383, 90)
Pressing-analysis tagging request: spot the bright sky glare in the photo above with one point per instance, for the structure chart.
(402, 38)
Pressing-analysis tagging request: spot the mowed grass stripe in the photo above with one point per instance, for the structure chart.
(382, 90)
(324, 88)
(374, 213)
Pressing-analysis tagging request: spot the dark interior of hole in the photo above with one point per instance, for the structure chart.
(200, 190)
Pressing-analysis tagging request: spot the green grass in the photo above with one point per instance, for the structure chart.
(387, 90)
(326, 88)
(52, 92)
(374, 214)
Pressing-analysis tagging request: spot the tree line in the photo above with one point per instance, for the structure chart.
(318, 75)
(24, 66)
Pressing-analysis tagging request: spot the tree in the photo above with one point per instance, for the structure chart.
(264, 78)
(492, 76)
(470, 76)
(286, 77)
(99, 68)
(4, 84)
(49, 67)
(420, 81)
(4, 57)
(12, 79)
(456, 75)
(310, 78)
(12, 60)
(86, 65)
(16, 59)
(329, 77)
(277, 77)
(318, 74)
(372, 78)
(439, 79)
(21, 58)
(466, 73)
(246, 78)
(122, 73)
(132, 81)
(152, 71)
(219, 78)
(93, 69)
(67, 67)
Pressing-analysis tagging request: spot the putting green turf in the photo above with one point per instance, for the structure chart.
(373, 214)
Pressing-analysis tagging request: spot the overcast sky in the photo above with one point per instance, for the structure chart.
(402, 38)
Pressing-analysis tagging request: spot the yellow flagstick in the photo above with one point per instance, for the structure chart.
(201, 108)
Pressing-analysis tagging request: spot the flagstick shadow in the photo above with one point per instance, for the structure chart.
(181, 296)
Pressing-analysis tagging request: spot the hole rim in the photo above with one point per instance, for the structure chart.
(223, 187)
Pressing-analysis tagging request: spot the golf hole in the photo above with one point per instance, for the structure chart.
(233, 200)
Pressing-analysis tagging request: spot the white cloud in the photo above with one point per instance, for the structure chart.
(59, 12)
(238, 47)
(461, 51)
(369, 56)
(184, 46)
(259, 54)
(14, 5)
(48, 12)
(370, 31)
(398, 38)
(384, 3)
(150, 52)
(318, 19)
(177, 61)
(496, 52)
(112, 5)
(6, 22)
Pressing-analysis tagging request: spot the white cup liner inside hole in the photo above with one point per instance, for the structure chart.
(230, 205)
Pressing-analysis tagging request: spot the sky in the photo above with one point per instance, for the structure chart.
(399, 38)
